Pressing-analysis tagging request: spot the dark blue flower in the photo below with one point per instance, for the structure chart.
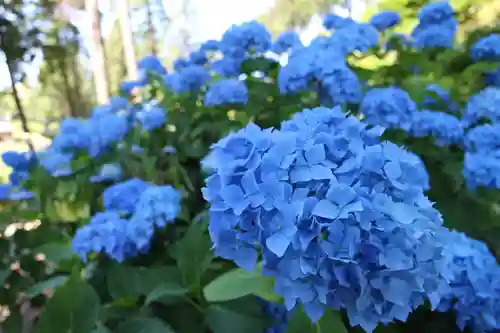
(482, 169)
(188, 79)
(435, 12)
(445, 128)
(288, 40)
(229, 91)
(487, 48)
(385, 20)
(123, 197)
(389, 107)
(334, 22)
(151, 64)
(19, 161)
(106, 232)
(485, 105)
(151, 117)
(241, 40)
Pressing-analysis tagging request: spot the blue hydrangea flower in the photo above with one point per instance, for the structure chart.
(229, 91)
(227, 66)
(492, 78)
(109, 172)
(5, 190)
(473, 291)
(107, 130)
(19, 161)
(151, 117)
(298, 72)
(485, 105)
(189, 79)
(483, 138)
(338, 79)
(385, 20)
(157, 206)
(74, 134)
(106, 232)
(445, 128)
(180, 63)
(198, 57)
(339, 218)
(123, 197)
(248, 37)
(56, 163)
(127, 87)
(10, 193)
(151, 64)
(487, 48)
(210, 45)
(440, 35)
(482, 169)
(435, 12)
(355, 37)
(288, 40)
(389, 107)
(334, 22)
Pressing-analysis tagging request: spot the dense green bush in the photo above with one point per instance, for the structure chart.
(145, 212)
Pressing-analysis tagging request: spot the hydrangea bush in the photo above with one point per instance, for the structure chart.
(267, 185)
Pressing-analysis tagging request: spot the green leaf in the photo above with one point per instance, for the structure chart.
(4, 274)
(40, 287)
(122, 281)
(130, 281)
(238, 283)
(331, 321)
(223, 320)
(74, 308)
(55, 251)
(143, 325)
(165, 291)
(193, 254)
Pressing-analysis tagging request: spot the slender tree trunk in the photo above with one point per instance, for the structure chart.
(151, 30)
(128, 43)
(97, 56)
(63, 68)
(19, 105)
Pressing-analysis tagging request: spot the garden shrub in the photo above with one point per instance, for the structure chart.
(271, 186)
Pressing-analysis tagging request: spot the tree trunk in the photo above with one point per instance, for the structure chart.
(97, 57)
(128, 43)
(19, 105)
(151, 30)
(63, 68)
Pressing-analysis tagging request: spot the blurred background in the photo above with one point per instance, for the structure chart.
(58, 58)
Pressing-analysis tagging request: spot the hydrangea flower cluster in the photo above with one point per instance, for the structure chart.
(228, 91)
(288, 40)
(437, 26)
(474, 288)
(482, 157)
(339, 218)
(487, 48)
(334, 22)
(133, 209)
(385, 20)
(445, 128)
(484, 105)
(321, 63)
(390, 107)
